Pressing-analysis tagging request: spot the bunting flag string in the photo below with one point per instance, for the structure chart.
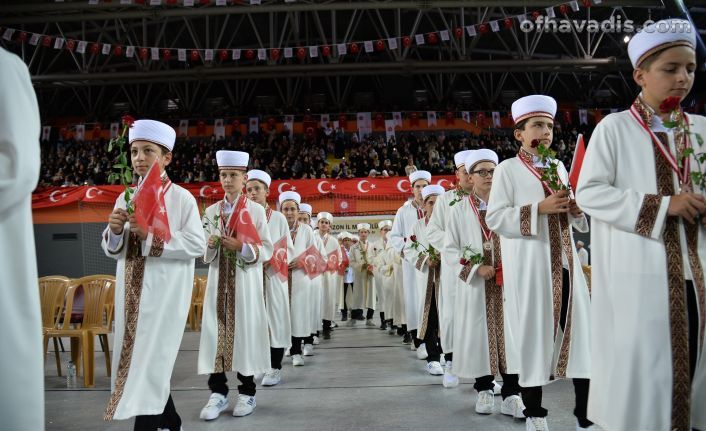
(274, 54)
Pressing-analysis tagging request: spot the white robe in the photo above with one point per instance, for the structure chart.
(22, 367)
(140, 385)
(406, 216)
(234, 336)
(330, 280)
(398, 314)
(301, 286)
(384, 276)
(583, 256)
(438, 223)
(317, 292)
(631, 381)
(422, 285)
(512, 213)
(276, 290)
(472, 357)
(364, 283)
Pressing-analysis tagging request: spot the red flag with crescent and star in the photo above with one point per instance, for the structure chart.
(150, 209)
(278, 262)
(310, 261)
(241, 224)
(332, 264)
(345, 262)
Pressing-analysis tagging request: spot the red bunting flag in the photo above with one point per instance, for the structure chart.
(278, 262)
(577, 161)
(150, 209)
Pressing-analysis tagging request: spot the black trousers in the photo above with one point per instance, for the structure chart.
(309, 339)
(217, 384)
(168, 419)
(431, 336)
(511, 384)
(276, 355)
(370, 314)
(346, 287)
(327, 326)
(417, 342)
(296, 348)
(693, 319)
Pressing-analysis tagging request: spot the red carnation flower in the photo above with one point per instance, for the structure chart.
(413, 238)
(128, 120)
(464, 262)
(534, 143)
(669, 104)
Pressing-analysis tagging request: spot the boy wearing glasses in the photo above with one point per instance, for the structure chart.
(535, 217)
(648, 298)
(482, 336)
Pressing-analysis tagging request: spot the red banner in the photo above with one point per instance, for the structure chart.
(350, 189)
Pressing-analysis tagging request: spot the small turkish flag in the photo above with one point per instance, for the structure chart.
(577, 161)
(332, 265)
(278, 262)
(310, 261)
(150, 209)
(345, 262)
(241, 224)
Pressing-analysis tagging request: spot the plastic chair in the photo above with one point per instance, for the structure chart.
(52, 291)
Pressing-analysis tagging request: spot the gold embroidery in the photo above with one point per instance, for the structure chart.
(526, 220)
(567, 244)
(134, 275)
(157, 246)
(465, 271)
(432, 286)
(647, 216)
(225, 314)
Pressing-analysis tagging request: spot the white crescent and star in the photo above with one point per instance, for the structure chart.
(89, 194)
(399, 186)
(202, 192)
(360, 186)
(279, 188)
(440, 182)
(52, 198)
(281, 255)
(320, 187)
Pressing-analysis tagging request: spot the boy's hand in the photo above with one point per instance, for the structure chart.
(486, 272)
(557, 203)
(231, 243)
(574, 209)
(137, 229)
(687, 206)
(117, 220)
(212, 240)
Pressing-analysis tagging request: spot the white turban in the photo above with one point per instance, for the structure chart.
(432, 190)
(290, 196)
(482, 155)
(363, 226)
(661, 35)
(325, 216)
(153, 131)
(232, 159)
(536, 105)
(385, 223)
(305, 208)
(259, 175)
(419, 175)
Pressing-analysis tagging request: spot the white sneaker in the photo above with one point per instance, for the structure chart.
(244, 406)
(497, 389)
(450, 380)
(434, 368)
(412, 347)
(422, 351)
(259, 376)
(287, 353)
(316, 340)
(485, 402)
(273, 377)
(369, 322)
(297, 360)
(513, 406)
(351, 322)
(308, 350)
(536, 424)
(215, 405)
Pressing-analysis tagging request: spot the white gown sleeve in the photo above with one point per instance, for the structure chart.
(453, 247)
(114, 245)
(623, 208)
(438, 223)
(397, 238)
(503, 217)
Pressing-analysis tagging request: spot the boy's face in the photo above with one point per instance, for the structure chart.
(479, 182)
(670, 74)
(417, 188)
(232, 180)
(429, 205)
(462, 178)
(257, 191)
(324, 226)
(363, 234)
(541, 128)
(304, 218)
(143, 154)
(290, 209)
(384, 231)
(347, 243)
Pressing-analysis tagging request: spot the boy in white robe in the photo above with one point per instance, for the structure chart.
(154, 281)
(427, 261)
(330, 279)
(535, 218)
(449, 279)
(648, 300)
(20, 310)
(234, 331)
(407, 215)
(276, 290)
(300, 285)
(483, 341)
(315, 294)
(383, 272)
(361, 260)
(346, 240)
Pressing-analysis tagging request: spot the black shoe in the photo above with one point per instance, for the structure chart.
(344, 318)
(383, 326)
(401, 332)
(327, 335)
(407, 339)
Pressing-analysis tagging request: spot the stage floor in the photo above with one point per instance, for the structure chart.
(362, 378)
